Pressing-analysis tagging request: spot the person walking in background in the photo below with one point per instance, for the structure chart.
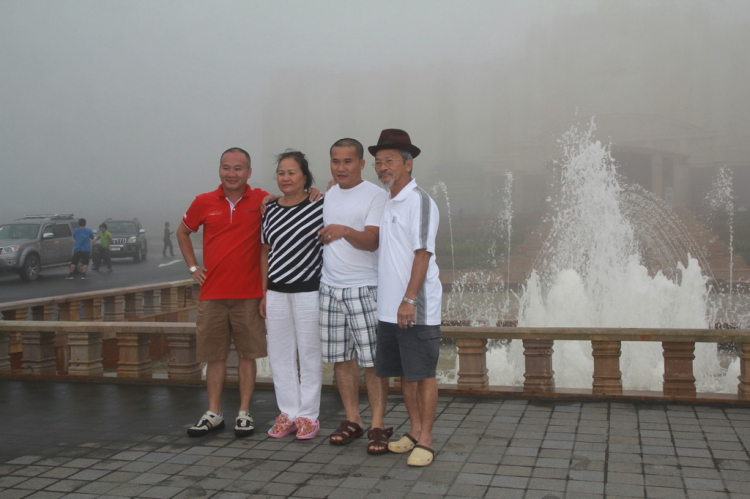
(105, 239)
(409, 292)
(291, 261)
(82, 249)
(167, 241)
(348, 292)
(231, 291)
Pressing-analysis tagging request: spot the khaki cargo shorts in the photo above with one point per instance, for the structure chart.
(222, 321)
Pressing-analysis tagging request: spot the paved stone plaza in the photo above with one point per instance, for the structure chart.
(85, 440)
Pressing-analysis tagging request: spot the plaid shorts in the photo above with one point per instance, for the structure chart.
(348, 324)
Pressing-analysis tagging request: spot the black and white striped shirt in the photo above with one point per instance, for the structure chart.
(295, 257)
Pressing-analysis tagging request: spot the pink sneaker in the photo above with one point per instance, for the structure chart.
(306, 429)
(282, 428)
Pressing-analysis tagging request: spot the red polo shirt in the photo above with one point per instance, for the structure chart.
(231, 243)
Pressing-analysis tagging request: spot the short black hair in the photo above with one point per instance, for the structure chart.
(82, 222)
(301, 161)
(348, 142)
(104, 226)
(236, 149)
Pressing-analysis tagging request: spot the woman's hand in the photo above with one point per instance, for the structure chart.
(262, 307)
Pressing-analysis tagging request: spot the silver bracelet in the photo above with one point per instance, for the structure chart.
(410, 301)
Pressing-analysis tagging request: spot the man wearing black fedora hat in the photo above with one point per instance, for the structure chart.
(409, 292)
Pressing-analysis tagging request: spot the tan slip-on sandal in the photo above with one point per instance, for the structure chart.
(403, 445)
(421, 456)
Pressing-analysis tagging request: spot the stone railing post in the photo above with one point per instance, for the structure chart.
(233, 362)
(92, 309)
(184, 300)
(607, 375)
(39, 347)
(472, 363)
(539, 374)
(678, 369)
(182, 356)
(113, 308)
(743, 389)
(133, 305)
(4, 352)
(135, 361)
(85, 354)
(150, 305)
(167, 299)
(38, 352)
(68, 311)
(14, 338)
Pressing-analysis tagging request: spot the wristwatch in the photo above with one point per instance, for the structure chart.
(410, 301)
(193, 269)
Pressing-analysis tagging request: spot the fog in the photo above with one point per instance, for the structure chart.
(122, 108)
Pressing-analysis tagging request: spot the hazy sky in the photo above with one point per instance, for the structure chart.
(121, 108)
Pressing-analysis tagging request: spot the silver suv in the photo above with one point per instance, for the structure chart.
(33, 242)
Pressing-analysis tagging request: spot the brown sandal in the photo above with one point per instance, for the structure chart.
(347, 431)
(378, 443)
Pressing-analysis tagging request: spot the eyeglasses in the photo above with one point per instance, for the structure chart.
(386, 162)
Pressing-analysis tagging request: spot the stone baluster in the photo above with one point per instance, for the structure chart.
(182, 356)
(69, 311)
(135, 361)
(92, 309)
(472, 363)
(743, 389)
(5, 352)
(233, 362)
(678, 369)
(150, 305)
(113, 308)
(167, 299)
(14, 338)
(133, 305)
(39, 346)
(539, 374)
(85, 354)
(607, 375)
(184, 300)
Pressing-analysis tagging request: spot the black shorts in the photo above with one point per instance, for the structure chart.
(80, 256)
(412, 353)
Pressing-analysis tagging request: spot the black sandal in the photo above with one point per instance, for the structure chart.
(378, 443)
(347, 431)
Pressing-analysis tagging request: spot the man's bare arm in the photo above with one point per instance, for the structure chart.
(188, 253)
(366, 240)
(407, 313)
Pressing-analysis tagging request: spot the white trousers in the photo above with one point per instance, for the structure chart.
(292, 325)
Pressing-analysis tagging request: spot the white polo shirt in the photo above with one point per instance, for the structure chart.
(345, 266)
(410, 222)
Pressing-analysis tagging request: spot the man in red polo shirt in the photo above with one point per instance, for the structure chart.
(231, 290)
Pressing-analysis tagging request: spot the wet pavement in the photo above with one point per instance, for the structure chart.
(85, 440)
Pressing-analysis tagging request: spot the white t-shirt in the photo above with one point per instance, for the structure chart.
(345, 266)
(410, 222)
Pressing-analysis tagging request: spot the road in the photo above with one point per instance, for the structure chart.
(125, 273)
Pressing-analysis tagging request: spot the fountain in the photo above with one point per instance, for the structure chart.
(592, 272)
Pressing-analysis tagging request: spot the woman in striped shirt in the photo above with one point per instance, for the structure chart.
(291, 262)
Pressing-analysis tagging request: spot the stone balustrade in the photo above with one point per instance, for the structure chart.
(678, 345)
(678, 352)
(157, 302)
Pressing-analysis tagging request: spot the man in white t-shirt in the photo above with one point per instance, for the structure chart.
(348, 291)
(410, 292)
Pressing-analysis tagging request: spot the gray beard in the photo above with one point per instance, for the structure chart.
(388, 185)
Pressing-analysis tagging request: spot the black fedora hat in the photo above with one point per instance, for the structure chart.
(393, 138)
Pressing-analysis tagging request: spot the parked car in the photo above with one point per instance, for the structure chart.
(34, 242)
(128, 241)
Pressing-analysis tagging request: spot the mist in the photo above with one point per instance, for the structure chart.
(122, 108)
